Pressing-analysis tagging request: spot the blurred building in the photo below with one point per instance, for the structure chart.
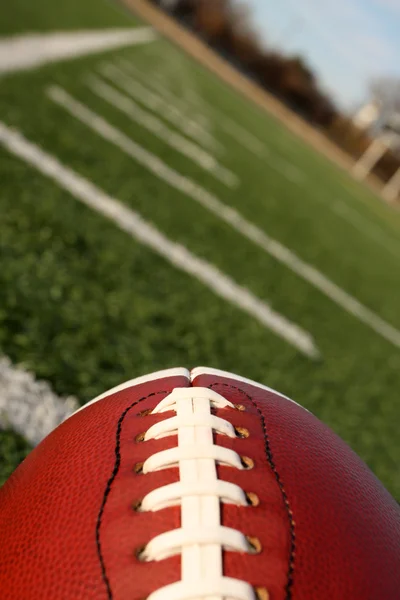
(367, 115)
(389, 129)
(379, 123)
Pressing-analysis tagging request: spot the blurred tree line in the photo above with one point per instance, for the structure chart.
(226, 27)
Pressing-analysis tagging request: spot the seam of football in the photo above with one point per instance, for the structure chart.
(109, 484)
(269, 456)
(270, 460)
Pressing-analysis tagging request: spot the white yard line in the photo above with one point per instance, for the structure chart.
(188, 83)
(157, 104)
(288, 170)
(241, 135)
(226, 213)
(154, 81)
(238, 133)
(162, 131)
(234, 130)
(33, 50)
(365, 226)
(172, 69)
(246, 139)
(193, 99)
(29, 406)
(145, 233)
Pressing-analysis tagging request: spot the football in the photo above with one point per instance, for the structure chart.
(183, 485)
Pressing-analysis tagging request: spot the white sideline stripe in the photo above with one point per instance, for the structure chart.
(362, 224)
(226, 213)
(157, 127)
(33, 50)
(145, 233)
(168, 111)
(29, 406)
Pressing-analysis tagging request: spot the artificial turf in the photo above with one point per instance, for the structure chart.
(85, 306)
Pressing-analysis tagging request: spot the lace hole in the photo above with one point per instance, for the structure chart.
(240, 407)
(138, 468)
(252, 499)
(144, 413)
(242, 432)
(137, 506)
(261, 593)
(140, 437)
(254, 544)
(139, 553)
(248, 463)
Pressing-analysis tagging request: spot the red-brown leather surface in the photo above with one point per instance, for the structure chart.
(346, 532)
(328, 528)
(67, 529)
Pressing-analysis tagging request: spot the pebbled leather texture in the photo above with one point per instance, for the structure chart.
(327, 527)
(343, 526)
(67, 527)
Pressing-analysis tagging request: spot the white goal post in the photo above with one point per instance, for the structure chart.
(391, 189)
(363, 167)
(389, 140)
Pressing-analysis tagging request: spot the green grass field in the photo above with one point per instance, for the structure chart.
(85, 306)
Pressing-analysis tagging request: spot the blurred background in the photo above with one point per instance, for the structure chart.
(199, 182)
(333, 65)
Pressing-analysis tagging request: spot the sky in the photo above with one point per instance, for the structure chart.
(346, 42)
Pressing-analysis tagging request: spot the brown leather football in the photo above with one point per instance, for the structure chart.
(201, 484)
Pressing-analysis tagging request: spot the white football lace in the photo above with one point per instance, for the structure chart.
(201, 538)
